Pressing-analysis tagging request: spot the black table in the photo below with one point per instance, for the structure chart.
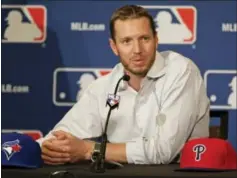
(82, 170)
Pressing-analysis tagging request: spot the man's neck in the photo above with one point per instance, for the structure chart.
(135, 81)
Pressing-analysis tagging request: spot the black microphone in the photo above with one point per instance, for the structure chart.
(99, 165)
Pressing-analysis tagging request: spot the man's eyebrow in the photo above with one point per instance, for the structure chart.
(130, 37)
(144, 35)
(125, 38)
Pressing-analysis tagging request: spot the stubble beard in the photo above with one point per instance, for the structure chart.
(139, 72)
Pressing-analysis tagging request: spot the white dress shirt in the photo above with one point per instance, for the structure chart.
(171, 107)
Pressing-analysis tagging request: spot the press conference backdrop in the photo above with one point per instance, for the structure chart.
(52, 50)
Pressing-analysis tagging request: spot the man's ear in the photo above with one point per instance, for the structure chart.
(113, 46)
(157, 40)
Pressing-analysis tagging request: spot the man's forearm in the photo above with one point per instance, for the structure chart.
(116, 152)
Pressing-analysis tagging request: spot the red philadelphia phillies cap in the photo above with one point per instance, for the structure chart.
(208, 154)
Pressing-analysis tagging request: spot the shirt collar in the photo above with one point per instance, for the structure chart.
(157, 68)
(117, 73)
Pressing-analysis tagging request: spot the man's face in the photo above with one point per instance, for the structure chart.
(135, 44)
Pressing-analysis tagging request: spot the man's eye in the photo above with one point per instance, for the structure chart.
(145, 38)
(126, 41)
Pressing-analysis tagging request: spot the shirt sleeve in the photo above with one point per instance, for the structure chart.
(81, 120)
(185, 106)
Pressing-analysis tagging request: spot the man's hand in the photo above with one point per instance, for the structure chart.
(53, 154)
(65, 148)
(76, 148)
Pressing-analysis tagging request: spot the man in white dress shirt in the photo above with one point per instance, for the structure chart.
(162, 106)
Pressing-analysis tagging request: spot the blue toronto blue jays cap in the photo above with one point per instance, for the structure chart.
(20, 150)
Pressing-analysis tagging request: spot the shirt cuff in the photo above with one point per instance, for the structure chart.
(41, 140)
(135, 152)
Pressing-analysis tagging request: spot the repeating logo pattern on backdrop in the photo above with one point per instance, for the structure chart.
(67, 94)
(175, 24)
(24, 23)
(221, 88)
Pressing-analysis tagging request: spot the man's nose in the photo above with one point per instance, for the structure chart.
(137, 47)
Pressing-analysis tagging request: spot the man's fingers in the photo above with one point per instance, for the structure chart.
(54, 154)
(59, 134)
(60, 142)
(54, 146)
(51, 139)
(54, 160)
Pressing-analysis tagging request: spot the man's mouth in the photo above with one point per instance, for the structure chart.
(138, 61)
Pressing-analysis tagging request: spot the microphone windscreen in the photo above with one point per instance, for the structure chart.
(126, 77)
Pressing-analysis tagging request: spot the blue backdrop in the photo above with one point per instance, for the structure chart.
(58, 47)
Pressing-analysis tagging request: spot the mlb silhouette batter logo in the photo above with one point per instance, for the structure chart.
(24, 24)
(175, 24)
(10, 148)
(69, 84)
(221, 88)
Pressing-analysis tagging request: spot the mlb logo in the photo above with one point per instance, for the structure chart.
(70, 83)
(221, 88)
(113, 100)
(175, 24)
(24, 24)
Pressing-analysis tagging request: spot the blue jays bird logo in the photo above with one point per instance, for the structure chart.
(10, 148)
(24, 24)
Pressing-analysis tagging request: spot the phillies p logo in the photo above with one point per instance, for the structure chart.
(199, 150)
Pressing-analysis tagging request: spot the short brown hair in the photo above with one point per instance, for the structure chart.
(130, 12)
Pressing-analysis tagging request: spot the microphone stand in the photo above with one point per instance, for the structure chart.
(99, 165)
